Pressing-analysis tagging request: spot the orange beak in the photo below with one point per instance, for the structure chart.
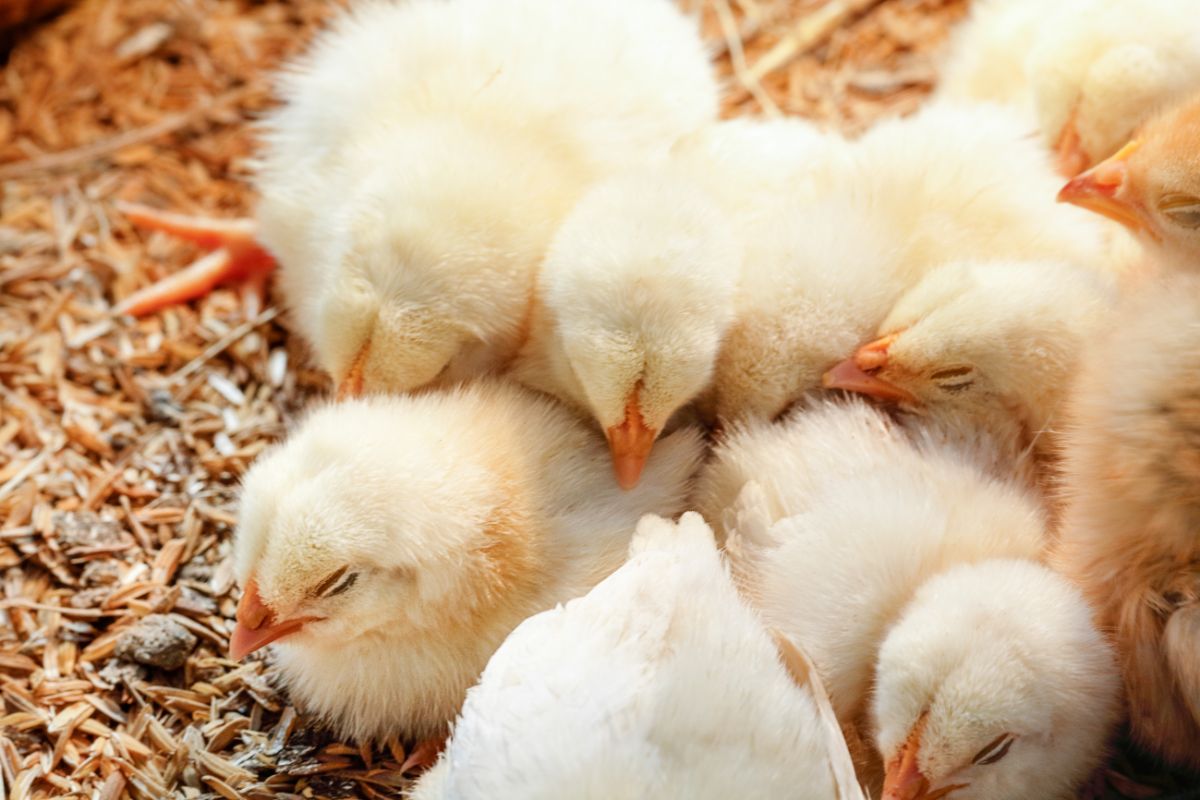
(1104, 189)
(903, 779)
(630, 444)
(352, 384)
(852, 375)
(256, 626)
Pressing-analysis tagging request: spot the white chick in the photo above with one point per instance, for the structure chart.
(1152, 187)
(635, 295)
(909, 196)
(660, 682)
(852, 519)
(425, 152)
(1129, 534)
(1091, 72)
(990, 345)
(391, 544)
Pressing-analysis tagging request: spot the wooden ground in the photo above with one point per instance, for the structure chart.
(121, 442)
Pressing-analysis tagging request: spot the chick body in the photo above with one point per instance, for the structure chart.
(660, 682)
(1132, 487)
(843, 528)
(411, 221)
(452, 516)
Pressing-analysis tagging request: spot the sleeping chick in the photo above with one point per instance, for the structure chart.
(849, 547)
(1152, 187)
(990, 344)
(391, 544)
(908, 196)
(1090, 72)
(659, 683)
(1132, 484)
(426, 151)
(635, 295)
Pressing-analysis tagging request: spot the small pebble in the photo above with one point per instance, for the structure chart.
(156, 641)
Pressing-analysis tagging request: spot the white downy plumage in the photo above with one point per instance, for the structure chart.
(426, 151)
(848, 547)
(659, 683)
(392, 543)
(993, 345)
(1089, 72)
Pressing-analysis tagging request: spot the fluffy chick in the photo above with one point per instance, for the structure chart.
(425, 152)
(991, 345)
(1091, 73)
(391, 544)
(1129, 534)
(660, 682)
(1152, 187)
(641, 283)
(842, 577)
(634, 298)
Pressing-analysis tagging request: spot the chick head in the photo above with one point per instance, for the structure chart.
(994, 685)
(638, 285)
(368, 523)
(984, 341)
(433, 264)
(1152, 185)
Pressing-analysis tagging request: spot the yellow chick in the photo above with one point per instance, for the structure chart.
(989, 345)
(1089, 72)
(1152, 187)
(1132, 488)
(426, 151)
(393, 542)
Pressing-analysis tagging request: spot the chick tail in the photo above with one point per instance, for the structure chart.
(1181, 645)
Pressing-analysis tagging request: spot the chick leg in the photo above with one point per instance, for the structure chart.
(236, 257)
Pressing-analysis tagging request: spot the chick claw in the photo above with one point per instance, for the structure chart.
(236, 257)
(424, 754)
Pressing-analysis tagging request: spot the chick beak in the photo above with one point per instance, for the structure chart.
(1104, 189)
(903, 779)
(852, 375)
(352, 384)
(630, 444)
(256, 625)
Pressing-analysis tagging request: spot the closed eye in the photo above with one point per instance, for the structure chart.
(337, 582)
(994, 750)
(1181, 209)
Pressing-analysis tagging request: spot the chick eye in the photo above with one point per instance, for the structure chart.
(994, 750)
(954, 379)
(1182, 209)
(337, 582)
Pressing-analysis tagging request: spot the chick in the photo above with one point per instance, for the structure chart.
(660, 682)
(1152, 187)
(991, 345)
(1089, 72)
(635, 296)
(1129, 534)
(864, 587)
(641, 283)
(391, 544)
(425, 152)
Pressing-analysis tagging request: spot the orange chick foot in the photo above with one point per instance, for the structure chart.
(236, 257)
(423, 755)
